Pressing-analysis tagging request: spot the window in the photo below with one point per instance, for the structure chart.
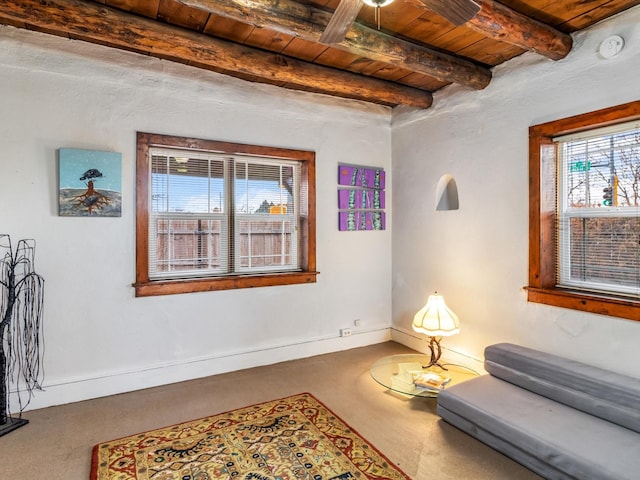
(598, 221)
(216, 215)
(584, 250)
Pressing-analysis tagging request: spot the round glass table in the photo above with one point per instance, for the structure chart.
(408, 374)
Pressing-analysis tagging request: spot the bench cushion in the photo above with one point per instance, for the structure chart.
(599, 392)
(552, 439)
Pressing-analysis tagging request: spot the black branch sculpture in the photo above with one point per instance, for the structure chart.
(21, 345)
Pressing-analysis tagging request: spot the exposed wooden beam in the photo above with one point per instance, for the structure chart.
(293, 18)
(500, 22)
(99, 24)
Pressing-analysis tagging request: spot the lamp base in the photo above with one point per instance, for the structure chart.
(436, 352)
(429, 365)
(11, 424)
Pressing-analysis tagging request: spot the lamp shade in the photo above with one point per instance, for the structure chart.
(436, 319)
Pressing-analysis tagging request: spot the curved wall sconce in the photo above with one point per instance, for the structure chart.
(447, 193)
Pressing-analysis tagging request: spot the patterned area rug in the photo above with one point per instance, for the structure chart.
(293, 438)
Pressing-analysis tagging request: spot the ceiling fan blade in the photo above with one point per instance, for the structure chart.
(457, 12)
(341, 21)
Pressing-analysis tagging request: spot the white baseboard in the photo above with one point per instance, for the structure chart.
(409, 339)
(111, 383)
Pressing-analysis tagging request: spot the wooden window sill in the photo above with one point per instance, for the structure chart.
(604, 305)
(170, 287)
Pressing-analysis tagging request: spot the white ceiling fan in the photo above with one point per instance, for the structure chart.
(457, 12)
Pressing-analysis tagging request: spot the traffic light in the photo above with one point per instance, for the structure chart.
(607, 196)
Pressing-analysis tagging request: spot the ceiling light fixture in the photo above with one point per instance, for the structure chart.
(377, 4)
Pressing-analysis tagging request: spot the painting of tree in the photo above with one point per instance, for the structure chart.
(90, 183)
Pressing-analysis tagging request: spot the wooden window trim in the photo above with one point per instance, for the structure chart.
(542, 215)
(146, 287)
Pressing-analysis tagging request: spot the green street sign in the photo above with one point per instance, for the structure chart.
(579, 166)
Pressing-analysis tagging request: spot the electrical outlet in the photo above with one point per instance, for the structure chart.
(345, 332)
(357, 322)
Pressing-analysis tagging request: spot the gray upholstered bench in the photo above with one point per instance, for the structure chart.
(560, 418)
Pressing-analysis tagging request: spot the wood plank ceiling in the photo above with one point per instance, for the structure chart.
(422, 45)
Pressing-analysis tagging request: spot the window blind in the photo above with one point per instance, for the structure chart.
(266, 215)
(213, 215)
(598, 226)
(188, 224)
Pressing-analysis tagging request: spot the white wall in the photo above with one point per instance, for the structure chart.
(477, 257)
(100, 339)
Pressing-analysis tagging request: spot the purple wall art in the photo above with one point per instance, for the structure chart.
(365, 177)
(361, 220)
(361, 198)
(366, 199)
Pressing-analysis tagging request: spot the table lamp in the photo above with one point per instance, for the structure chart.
(436, 320)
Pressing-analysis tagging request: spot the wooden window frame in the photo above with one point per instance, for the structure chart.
(307, 248)
(542, 216)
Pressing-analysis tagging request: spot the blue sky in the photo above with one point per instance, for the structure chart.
(74, 162)
(190, 194)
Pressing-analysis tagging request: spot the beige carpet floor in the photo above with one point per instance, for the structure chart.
(57, 443)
